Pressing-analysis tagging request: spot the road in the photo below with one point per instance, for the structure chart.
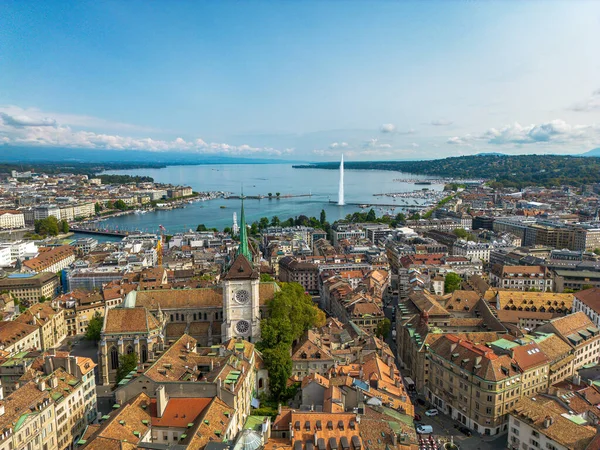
(443, 425)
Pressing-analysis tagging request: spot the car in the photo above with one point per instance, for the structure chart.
(431, 412)
(420, 401)
(464, 430)
(417, 417)
(424, 429)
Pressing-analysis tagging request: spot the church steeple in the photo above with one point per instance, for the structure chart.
(243, 249)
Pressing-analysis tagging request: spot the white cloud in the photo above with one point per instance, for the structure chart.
(415, 145)
(460, 140)
(338, 145)
(26, 130)
(374, 143)
(555, 132)
(591, 104)
(388, 128)
(26, 121)
(441, 123)
(73, 120)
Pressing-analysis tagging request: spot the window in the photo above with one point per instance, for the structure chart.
(114, 358)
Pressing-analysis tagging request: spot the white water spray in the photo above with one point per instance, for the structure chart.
(341, 188)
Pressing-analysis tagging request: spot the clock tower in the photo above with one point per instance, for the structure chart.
(241, 298)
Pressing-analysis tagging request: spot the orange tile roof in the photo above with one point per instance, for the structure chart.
(129, 320)
(179, 411)
(49, 257)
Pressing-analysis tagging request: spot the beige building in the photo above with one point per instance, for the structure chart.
(580, 333)
(83, 210)
(472, 384)
(51, 260)
(17, 337)
(522, 278)
(27, 419)
(30, 289)
(11, 219)
(51, 322)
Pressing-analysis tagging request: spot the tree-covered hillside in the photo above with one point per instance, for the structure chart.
(501, 170)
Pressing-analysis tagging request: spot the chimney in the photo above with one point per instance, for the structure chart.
(548, 421)
(54, 382)
(161, 400)
(576, 380)
(279, 408)
(1, 410)
(394, 438)
(42, 385)
(218, 387)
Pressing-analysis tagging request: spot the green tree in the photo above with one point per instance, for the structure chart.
(270, 194)
(227, 230)
(94, 328)
(254, 229)
(461, 233)
(120, 204)
(265, 277)
(98, 208)
(278, 359)
(415, 216)
(277, 194)
(64, 226)
(323, 217)
(383, 328)
(201, 227)
(371, 216)
(452, 282)
(597, 251)
(263, 223)
(127, 363)
(586, 286)
(275, 222)
(291, 313)
(47, 227)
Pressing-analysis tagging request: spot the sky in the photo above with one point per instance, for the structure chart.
(302, 80)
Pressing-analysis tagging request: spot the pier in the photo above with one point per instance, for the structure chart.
(261, 197)
(103, 231)
(382, 205)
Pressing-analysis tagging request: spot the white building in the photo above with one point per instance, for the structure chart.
(21, 250)
(11, 219)
(472, 250)
(588, 301)
(45, 211)
(5, 259)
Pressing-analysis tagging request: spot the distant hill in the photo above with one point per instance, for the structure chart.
(11, 154)
(594, 152)
(502, 170)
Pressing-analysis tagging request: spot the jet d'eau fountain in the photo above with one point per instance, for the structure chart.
(341, 188)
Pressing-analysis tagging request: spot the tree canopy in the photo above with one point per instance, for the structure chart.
(383, 328)
(127, 363)
(94, 328)
(452, 282)
(291, 313)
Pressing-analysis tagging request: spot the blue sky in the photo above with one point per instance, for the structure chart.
(302, 80)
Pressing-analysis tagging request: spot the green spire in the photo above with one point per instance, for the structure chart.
(243, 249)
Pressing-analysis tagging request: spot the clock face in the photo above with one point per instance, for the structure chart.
(242, 296)
(242, 327)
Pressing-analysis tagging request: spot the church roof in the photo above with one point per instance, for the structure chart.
(129, 320)
(241, 269)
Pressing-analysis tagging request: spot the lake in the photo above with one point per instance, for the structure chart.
(260, 179)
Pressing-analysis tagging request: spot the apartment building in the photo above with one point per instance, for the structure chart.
(588, 301)
(545, 422)
(51, 260)
(11, 219)
(27, 419)
(31, 287)
(50, 321)
(16, 337)
(522, 278)
(473, 384)
(580, 333)
(305, 273)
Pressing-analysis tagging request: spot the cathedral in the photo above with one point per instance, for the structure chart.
(148, 321)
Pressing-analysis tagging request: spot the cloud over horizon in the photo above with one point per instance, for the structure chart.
(25, 130)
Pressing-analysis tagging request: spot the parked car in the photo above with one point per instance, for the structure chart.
(417, 417)
(464, 430)
(424, 429)
(431, 412)
(420, 401)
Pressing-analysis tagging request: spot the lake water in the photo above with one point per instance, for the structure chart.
(260, 179)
